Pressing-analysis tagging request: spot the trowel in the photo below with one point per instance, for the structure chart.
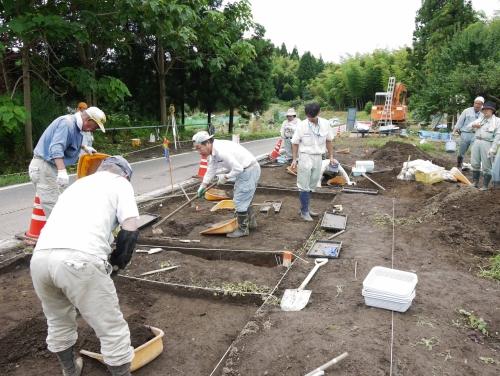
(297, 299)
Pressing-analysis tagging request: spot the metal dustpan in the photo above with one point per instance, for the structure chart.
(297, 299)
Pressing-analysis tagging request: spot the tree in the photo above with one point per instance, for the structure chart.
(283, 51)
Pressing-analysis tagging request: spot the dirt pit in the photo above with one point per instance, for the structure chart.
(441, 232)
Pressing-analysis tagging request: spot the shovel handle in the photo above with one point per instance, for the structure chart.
(318, 263)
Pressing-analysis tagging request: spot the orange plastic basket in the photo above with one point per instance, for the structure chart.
(89, 163)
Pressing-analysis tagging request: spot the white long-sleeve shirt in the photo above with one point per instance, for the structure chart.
(229, 155)
(468, 116)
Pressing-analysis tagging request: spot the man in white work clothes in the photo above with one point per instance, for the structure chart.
(466, 134)
(73, 260)
(241, 166)
(309, 142)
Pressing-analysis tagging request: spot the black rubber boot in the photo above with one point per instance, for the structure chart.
(475, 178)
(123, 370)
(71, 365)
(460, 161)
(242, 229)
(252, 218)
(486, 181)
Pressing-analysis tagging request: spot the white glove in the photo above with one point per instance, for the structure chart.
(491, 153)
(221, 179)
(89, 150)
(62, 178)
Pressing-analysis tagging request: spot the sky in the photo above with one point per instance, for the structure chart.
(339, 28)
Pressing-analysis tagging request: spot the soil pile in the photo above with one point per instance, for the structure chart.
(466, 218)
(394, 153)
(26, 339)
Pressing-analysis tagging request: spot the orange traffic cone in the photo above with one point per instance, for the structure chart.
(38, 220)
(203, 167)
(276, 151)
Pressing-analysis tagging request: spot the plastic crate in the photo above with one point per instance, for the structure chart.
(390, 282)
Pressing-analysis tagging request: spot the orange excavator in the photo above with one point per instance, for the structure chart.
(390, 106)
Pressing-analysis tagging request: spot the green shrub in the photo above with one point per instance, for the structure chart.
(368, 107)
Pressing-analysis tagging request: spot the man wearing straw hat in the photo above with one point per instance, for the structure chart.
(466, 134)
(241, 166)
(58, 147)
(73, 260)
(484, 148)
(287, 130)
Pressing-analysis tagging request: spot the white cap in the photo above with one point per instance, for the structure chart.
(201, 137)
(291, 112)
(479, 99)
(98, 116)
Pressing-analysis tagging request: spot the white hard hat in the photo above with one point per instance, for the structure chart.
(97, 115)
(479, 99)
(291, 112)
(201, 137)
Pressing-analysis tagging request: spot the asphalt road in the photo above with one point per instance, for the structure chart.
(16, 202)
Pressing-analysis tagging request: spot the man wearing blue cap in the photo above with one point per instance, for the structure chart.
(73, 260)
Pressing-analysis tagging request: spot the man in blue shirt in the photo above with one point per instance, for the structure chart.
(467, 136)
(59, 147)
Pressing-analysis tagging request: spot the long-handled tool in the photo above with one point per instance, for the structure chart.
(320, 371)
(373, 181)
(159, 231)
(296, 299)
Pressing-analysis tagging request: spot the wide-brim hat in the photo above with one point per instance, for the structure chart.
(291, 112)
(490, 105)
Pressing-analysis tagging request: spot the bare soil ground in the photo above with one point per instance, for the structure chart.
(442, 232)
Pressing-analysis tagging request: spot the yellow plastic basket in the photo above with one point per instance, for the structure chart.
(89, 163)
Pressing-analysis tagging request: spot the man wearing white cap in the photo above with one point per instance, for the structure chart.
(73, 260)
(58, 147)
(467, 134)
(484, 148)
(287, 130)
(241, 166)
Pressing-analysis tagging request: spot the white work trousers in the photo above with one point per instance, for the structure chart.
(43, 175)
(245, 186)
(288, 148)
(495, 171)
(480, 160)
(308, 171)
(65, 279)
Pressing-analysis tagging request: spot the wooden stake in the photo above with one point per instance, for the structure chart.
(160, 270)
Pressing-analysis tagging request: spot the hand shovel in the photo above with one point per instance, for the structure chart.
(296, 299)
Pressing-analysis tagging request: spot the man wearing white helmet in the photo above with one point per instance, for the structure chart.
(73, 260)
(241, 166)
(466, 133)
(287, 130)
(58, 147)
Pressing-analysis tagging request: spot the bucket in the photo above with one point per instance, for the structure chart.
(236, 138)
(367, 165)
(136, 142)
(450, 146)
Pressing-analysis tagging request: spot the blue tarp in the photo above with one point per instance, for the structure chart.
(435, 136)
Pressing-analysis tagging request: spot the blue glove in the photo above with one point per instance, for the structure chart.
(201, 191)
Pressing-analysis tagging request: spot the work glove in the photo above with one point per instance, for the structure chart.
(62, 179)
(491, 153)
(201, 191)
(89, 150)
(221, 179)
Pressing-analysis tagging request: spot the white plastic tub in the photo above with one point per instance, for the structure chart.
(392, 282)
(368, 165)
(393, 305)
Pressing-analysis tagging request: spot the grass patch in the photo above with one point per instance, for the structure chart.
(14, 179)
(427, 147)
(378, 142)
(428, 343)
(493, 271)
(474, 322)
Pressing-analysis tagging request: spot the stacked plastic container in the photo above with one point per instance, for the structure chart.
(389, 288)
